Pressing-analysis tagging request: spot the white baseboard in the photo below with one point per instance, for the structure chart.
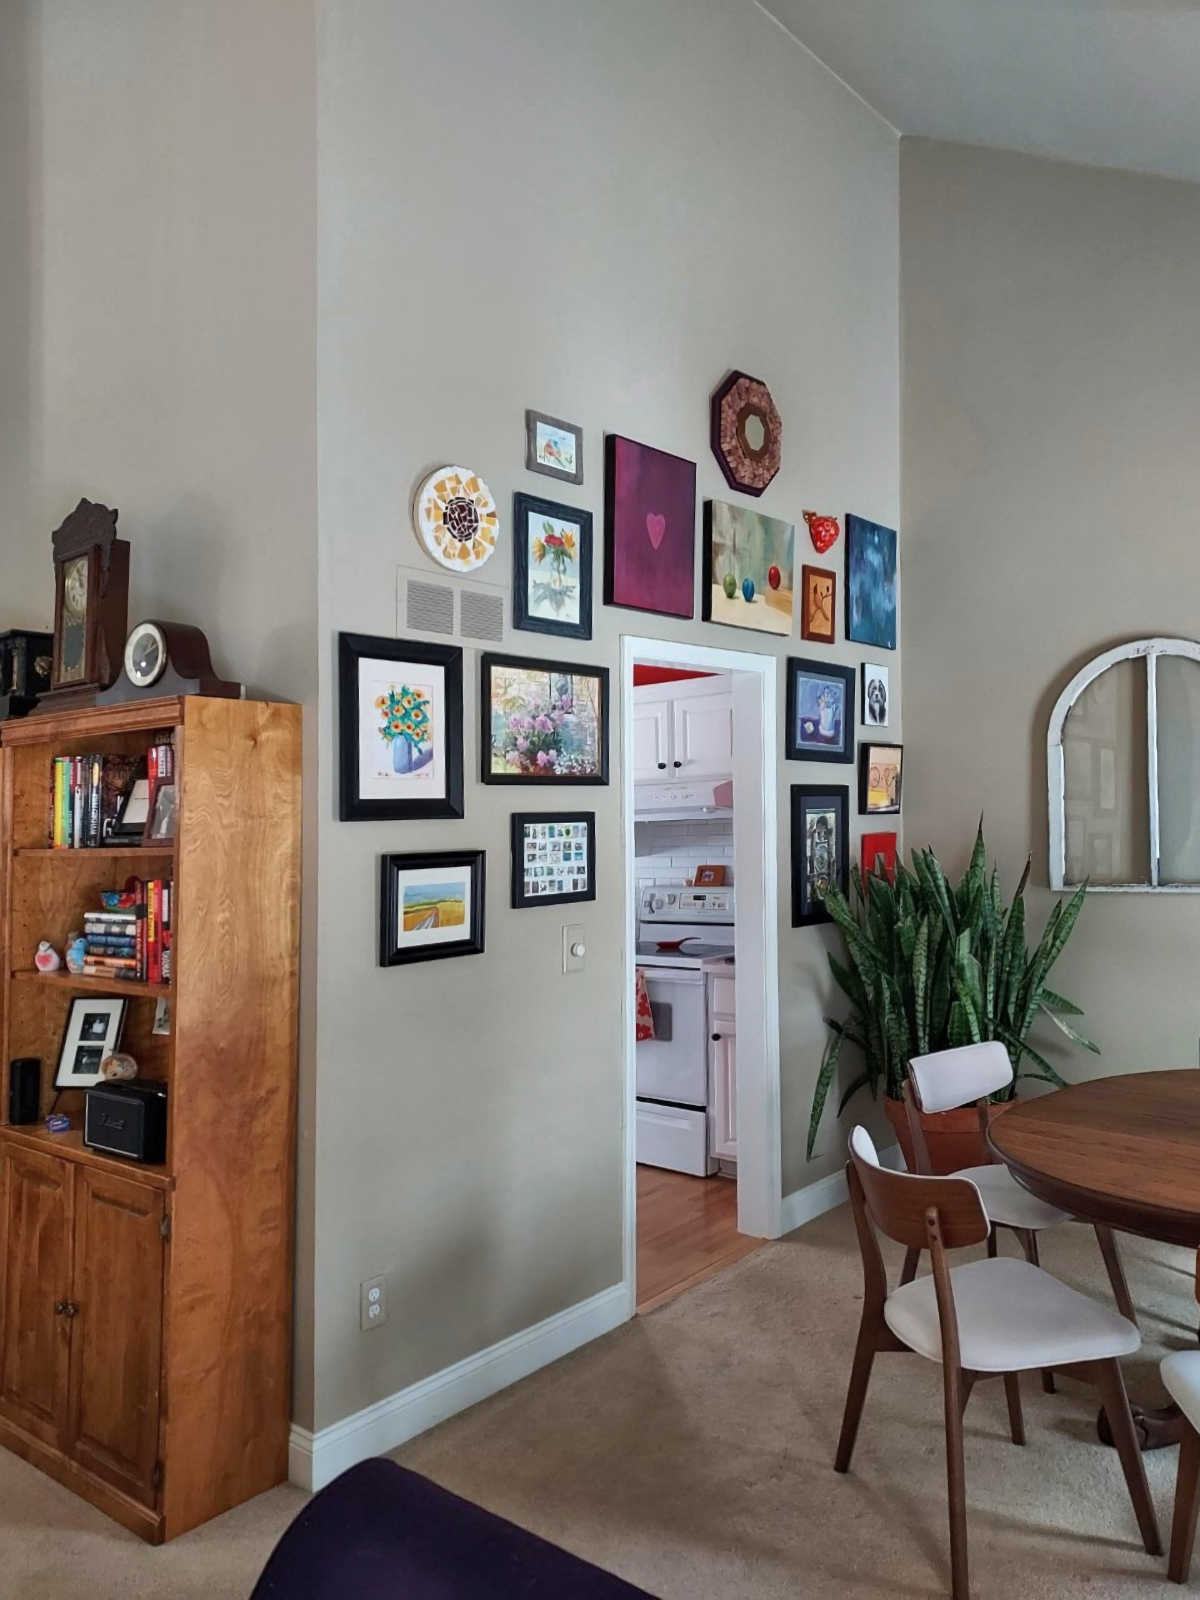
(316, 1459)
(802, 1205)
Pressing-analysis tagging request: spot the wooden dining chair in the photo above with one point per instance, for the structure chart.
(995, 1317)
(948, 1079)
(1181, 1375)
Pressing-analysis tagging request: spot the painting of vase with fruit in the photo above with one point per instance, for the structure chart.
(748, 568)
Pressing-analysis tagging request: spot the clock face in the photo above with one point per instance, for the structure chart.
(72, 627)
(75, 587)
(145, 655)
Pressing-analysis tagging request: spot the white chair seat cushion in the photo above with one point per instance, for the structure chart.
(1181, 1374)
(1012, 1317)
(1008, 1201)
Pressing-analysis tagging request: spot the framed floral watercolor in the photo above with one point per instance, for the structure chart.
(554, 447)
(748, 568)
(820, 849)
(552, 568)
(431, 905)
(400, 706)
(650, 529)
(820, 711)
(553, 857)
(543, 721)
(879, 773)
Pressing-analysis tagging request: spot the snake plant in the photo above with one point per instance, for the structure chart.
(929, 966)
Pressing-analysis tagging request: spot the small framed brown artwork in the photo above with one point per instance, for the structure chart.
(818, 604)
(709, 877)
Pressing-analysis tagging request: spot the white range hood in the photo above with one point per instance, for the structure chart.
(667, 802)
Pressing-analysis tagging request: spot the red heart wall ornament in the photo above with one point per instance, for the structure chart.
(823, 530)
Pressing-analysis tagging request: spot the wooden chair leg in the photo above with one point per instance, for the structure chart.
(909, 1272)
(1029, 1245)
(1187, 1500)
(1111, 1383)
(956, 1482)
(856, 1394)
(966, 1386)
(1016, 1419)
(1116, 1273)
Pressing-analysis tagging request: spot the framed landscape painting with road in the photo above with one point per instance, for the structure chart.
(430, 905)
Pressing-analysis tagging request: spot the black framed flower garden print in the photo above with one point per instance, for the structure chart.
(400, 705)
(543, 722)
(552, 567)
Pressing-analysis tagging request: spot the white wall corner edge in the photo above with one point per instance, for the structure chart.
(802, 1205)
(315, 1459)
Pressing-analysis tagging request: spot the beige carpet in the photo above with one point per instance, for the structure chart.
(689, 1451)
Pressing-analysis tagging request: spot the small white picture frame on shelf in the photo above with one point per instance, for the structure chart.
(93, 1032)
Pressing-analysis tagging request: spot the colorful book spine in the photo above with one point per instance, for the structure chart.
(152, 946)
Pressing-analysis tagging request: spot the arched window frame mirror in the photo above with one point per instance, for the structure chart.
(1136, 649)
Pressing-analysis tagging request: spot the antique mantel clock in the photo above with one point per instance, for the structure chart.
(91, 601)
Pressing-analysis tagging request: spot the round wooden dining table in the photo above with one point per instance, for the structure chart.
(1123, 1151)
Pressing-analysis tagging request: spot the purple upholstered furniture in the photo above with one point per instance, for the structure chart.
(380, 1532)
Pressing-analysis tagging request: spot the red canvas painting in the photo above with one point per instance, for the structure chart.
(875, 846)
(650, 525)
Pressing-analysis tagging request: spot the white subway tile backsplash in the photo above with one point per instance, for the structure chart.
(668, 852)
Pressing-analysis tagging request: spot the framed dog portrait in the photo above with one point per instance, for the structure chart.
(876, 694)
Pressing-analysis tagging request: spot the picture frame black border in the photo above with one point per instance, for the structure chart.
(390, 867)
(851, 537)
(87, 1000)
(487, 662)
(532, 464)
(123, 832)
(864, 764)
(522, 505)
(795, 665)
(520, 900)
(352, 647)
(862, 710)
(610, 553)
(803, 796)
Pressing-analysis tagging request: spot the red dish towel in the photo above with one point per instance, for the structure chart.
(645, 1017)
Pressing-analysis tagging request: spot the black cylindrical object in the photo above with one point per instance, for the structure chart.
(24, 1089)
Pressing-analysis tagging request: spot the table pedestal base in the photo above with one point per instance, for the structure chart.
(1156, 1430)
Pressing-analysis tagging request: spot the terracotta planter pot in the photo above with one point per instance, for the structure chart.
(953, 1137)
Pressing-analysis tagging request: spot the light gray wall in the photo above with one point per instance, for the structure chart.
(164, 265)
(595, 211)
(1051, 359)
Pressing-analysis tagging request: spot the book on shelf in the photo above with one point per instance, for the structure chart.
(88, 791)
(132, 941)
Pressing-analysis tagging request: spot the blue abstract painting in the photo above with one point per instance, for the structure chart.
(870, 583)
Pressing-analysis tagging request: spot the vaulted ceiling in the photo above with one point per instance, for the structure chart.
(1107, 82)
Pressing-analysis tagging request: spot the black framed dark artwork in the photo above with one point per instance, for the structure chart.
(820, 848)
(431, 905)
(553, 857)
(552, 567)
(400, 708)
(542, 722)
(820, 711)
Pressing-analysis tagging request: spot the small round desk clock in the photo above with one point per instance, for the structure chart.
(145, 655)
(166, 658)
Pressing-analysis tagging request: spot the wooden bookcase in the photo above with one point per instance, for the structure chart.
(146, 1311)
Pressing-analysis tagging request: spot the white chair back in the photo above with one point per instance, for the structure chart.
(951, 1078)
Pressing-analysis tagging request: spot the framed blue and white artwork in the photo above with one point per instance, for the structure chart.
(871, 583)
(820, 711)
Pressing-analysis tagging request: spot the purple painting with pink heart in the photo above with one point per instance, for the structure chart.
(650, 521)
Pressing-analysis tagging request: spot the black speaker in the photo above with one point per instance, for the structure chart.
(127, 1119)
(24, 1089)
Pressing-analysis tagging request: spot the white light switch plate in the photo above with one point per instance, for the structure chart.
(574, 947)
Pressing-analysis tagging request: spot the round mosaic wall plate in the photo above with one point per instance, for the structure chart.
(746, 433)
(456, 519)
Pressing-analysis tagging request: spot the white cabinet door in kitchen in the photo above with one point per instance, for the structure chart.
(702, 733)
(651, 739)
(722, 1057)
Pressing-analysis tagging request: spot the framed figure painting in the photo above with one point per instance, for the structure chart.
(542, 721)
(820, 849)
(649, 528)
(552, 568)
(871, 581)
(431, 905)
(820, 711)
(879, 773)
(400, 705)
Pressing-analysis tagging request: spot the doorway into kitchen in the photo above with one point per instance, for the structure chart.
(702, 1071)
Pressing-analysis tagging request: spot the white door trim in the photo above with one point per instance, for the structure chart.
(755, 758)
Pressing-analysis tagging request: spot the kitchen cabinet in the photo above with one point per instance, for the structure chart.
(722, 1068)
(683, 731)
(651, 738)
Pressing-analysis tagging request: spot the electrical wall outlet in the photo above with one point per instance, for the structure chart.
(372, 1304)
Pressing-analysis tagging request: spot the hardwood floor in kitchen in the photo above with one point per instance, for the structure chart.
(686, 1232)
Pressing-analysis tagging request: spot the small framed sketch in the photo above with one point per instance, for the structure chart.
(430, 906)
(820, 711)
(401, 742)
(554, 447)
(93, 1032)
(880, 769)
(553, 857)
(552, 568)
(876, 694)
(818, 604)
(542, 721)
(820, 849)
